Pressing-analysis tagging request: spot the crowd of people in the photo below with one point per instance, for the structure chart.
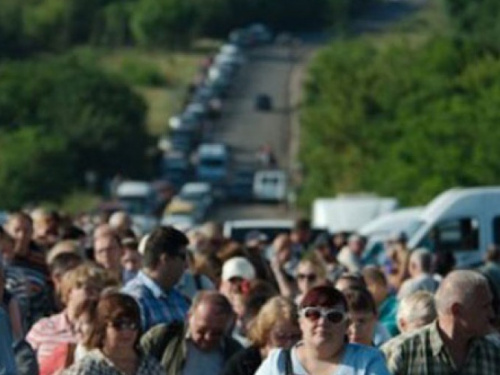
(89, 296)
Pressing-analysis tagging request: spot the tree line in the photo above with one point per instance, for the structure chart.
(410, 120)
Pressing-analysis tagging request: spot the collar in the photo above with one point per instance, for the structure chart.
(435, 339)
(61, 323)
(149, 283)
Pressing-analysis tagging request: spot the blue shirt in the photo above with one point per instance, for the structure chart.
(7, 361)
(156, 305)
(387, 312)
(357, 360)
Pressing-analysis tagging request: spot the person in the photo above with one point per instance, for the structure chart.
(350, 255)
(30, 258)
(59, 265)
(192, 281)
(121, 223)
(113, 342)
(324, 248)
(397, 259)
(131, 259)
(199, 346)
(78, 285)
(300, 237)
(387, 303)
(108, 253)
(283, 264)
(491, 267)
(11, 306)
(311, 272)
(349, 280)
(275, 326)
(323, 320)
(363, 325)
(420, 271)
(164, 261)
(454, 342)
(237, 272)
(255, 244)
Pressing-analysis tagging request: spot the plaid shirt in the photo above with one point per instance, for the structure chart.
(423, 352)
(157, 306)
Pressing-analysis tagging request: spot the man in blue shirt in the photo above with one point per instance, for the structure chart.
(164, 261)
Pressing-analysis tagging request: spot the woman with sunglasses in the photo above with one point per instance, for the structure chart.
(324, 349)
(113, 341)
(275, 326)
(311, 272)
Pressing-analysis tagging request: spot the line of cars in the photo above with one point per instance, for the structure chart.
(196, 165)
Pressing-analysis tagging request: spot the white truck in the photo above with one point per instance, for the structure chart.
(349, 212)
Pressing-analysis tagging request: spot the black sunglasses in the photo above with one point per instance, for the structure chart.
(307, 276)
(124, 325)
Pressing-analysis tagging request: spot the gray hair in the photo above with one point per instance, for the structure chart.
(417, 308)
(458, 287)
(423, 258)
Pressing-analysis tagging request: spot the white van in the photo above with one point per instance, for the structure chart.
(464, 221)
(270, 185)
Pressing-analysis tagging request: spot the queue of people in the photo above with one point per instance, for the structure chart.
(97, 299)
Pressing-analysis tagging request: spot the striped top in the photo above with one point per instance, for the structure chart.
(156, 305)
(48, 333)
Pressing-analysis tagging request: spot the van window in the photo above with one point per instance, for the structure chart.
(496, 230)
(454, 235)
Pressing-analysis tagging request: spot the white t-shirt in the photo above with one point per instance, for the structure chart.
(357, 360)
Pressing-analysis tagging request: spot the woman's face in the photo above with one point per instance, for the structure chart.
(307, 277)
(82, 293)
(362, 327)
(121, 334)
(323, 325)
(284, 334)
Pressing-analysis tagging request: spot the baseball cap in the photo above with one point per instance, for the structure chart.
(238, 267)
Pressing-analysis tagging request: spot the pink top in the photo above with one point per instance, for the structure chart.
(48, 333)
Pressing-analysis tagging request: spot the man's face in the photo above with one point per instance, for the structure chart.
(476, 315)
(20, 229)
(108, 252)
(131, 260)
(207, 326)
(361, 327)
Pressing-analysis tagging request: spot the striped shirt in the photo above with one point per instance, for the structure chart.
(48, 333)
(156, 305)
(424, 352)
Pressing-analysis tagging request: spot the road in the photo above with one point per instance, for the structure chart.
(267, 70)
(279, 72)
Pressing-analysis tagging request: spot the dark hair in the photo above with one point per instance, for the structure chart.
(72, 232)
(163, 240)
(355, 278)
(64, 262)
(324, 296)
(360, 300)
(214, 298)
(110, 307)
(302, 224)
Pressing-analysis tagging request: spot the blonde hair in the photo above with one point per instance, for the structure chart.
(65, 246)
(85, 274)
(317, 264)
(277, 309)
(417, 308)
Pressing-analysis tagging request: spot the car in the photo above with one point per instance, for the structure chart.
(263, 102)
(270, 185)
(240, 187)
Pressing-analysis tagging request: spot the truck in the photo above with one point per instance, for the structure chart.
(349, 212)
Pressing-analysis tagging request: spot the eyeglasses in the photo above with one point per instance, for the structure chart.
(311, 277)
(124, 325)
(315, 313)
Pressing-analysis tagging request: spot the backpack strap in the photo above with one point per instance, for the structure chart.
(288, 362)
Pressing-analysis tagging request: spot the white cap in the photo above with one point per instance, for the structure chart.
(142, 244)
(238, 267)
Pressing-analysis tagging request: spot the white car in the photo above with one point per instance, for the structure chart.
(270, 185)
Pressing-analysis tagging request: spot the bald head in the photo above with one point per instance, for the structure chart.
(459, 287)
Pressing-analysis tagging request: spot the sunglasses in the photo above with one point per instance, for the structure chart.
(315, 313)
(305, 276)
(124, 325)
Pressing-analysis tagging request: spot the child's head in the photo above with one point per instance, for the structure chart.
(362, 315)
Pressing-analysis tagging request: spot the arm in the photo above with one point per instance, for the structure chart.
(286, 288)
(15, 319)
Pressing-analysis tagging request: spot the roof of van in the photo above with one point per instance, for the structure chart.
(215, 149)
(450, 197)
(134, 188)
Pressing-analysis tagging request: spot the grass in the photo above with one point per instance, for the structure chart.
(159, 76)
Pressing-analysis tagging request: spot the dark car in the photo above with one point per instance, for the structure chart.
(263, 102)
(241, 186)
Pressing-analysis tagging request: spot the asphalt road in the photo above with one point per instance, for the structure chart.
(267, 70)
(278, 71)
